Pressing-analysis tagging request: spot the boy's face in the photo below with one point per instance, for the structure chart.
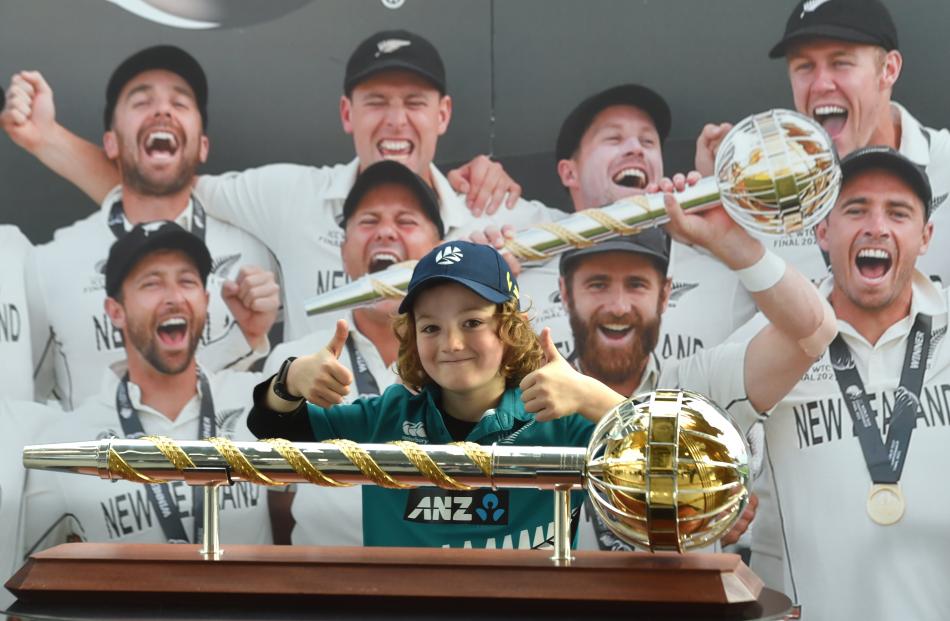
(457, 340)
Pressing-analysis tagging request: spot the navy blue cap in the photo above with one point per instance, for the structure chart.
(854, 21)
(477, 266)
(651, 242)
(888, 159)
(146, 238)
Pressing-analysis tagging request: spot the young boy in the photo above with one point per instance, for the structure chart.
(464, 347)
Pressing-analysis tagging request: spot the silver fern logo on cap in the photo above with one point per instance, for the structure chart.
(449, 255)
(388, 46)
(811, 5)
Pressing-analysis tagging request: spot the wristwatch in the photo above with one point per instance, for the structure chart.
(280, 382)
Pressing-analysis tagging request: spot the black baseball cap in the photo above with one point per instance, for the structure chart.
(387, 172)
(580, 118)
(477, 266)
(167, 57)
(855, 21)
(394, 49)
(654, 243)
(887, 158)
(146, 238)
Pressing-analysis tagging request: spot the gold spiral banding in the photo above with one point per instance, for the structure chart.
(525, 252)
(610, 223)
(479, 456)
(127, 472)
(239, 463)
(301, 465)
(427, 466)
(172, 452)
(367, 465)
(566, 235)
(385, 290)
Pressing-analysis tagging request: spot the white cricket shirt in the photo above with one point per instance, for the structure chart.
(296, 211)
(16, 297)
(843, 564)
(20, 424)
(62, 505)
(332, 516)
(82, 342)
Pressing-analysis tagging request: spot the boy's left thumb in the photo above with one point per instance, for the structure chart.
(548, 347)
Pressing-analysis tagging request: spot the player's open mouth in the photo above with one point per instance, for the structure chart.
(615, 331)
(381, 260)
(631, 178)
(394, 149)
(832, 118)
(173, 331)
(160, 144)
(873, 263)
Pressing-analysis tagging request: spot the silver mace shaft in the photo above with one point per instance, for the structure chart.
(535, 244)
(776, 173)
(399, 465)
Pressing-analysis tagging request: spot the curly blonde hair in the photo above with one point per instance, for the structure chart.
(522, 354)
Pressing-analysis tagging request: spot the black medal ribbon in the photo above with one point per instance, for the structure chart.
(885, 460)
(198, 219)
(160, 495)
(365, 382)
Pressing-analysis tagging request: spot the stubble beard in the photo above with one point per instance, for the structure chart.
(142, 337)
(139, 182)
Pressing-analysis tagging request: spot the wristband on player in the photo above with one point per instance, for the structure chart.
(280, 382)
(763, 274)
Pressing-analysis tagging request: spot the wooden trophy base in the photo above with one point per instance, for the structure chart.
(717, 584)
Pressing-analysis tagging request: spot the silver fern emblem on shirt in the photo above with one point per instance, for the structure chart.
(680, 289)
(449, 255)
(221, 266)
(226, 421)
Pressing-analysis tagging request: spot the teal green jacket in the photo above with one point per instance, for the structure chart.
(433, 517)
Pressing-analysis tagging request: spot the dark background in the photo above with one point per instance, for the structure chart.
(515, 68)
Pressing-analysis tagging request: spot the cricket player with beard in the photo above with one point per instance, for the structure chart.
(396, 106)
(155, 118)
(610, 147)
(155, 279)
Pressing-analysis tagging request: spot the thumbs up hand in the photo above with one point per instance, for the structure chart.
(321, 378)
(557, 389)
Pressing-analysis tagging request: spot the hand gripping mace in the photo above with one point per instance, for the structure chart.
(776, 173)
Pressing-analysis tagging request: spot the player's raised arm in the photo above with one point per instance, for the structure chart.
(802, 324)
(29, 118)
